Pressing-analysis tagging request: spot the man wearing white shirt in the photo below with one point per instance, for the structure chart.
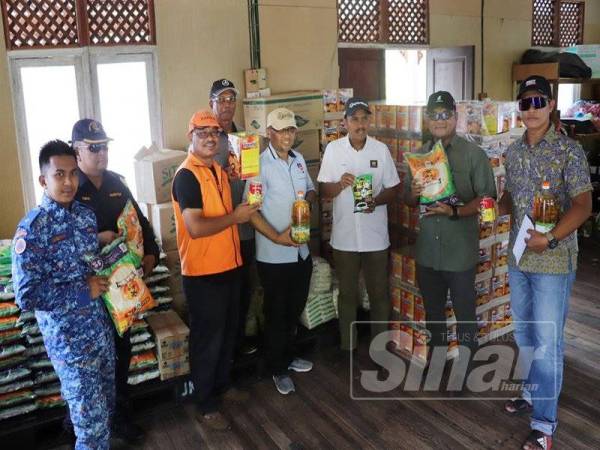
(360, 240)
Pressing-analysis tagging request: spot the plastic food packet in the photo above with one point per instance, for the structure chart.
(9, 336)
(130, 229)
(44, 376)
(139, 325)
(10, 375)
(17, 410)
(362, 190)
(50, 401)
(14, 398)
(143, 361)
(40, 363)
(6, 323)
(11, 350)
(15, 386)
(432, 171)
(139, 337)
(128, 295)
(143, 347)
(50, 389)
(140, 377)
(8, 309)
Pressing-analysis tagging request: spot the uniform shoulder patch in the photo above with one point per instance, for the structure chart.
(20, 245)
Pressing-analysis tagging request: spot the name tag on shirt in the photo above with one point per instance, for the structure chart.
(374, 163)
(115, 194)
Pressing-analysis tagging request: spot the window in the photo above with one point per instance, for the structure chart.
(405, 76)
(52, 89)
(383, 21)
(557, 23)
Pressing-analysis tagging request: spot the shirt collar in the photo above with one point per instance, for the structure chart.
(275, 156)
(349, 145)
(550, 136)
(53, 208)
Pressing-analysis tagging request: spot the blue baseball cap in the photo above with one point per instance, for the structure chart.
(89, 131)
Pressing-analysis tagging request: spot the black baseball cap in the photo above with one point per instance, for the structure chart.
(89, 131)
(441, 99)
(354, 104)
(535, 83)
(222, 85)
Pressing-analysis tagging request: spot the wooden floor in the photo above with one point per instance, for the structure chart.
(321, 413)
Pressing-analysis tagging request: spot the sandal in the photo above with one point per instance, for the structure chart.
(517, 406)
(537, 441)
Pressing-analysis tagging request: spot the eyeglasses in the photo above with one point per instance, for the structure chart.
(442, 115)
(204, 133)
(97, 148)
(537, 102)
(222, 100)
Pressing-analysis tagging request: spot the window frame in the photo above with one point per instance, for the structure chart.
(85, 60)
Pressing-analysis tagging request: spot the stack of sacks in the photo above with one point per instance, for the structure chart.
(320, 307)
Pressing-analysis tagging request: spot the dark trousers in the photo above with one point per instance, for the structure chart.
(123, 353)
(213, 304)
(285, 292)
(247, 286)
(434, 286)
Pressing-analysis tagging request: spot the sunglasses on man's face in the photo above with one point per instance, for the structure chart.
(537, 102)
(97, 148)
(441, 115)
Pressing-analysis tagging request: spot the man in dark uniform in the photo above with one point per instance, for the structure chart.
(106, 194)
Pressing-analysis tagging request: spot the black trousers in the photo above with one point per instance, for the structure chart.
(247, 286)
(213, 304)
(123, 354)
(434, 286)
(285, 292)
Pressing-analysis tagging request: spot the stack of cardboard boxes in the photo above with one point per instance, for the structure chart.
(154, 173)
(171, 337)
(256, 83)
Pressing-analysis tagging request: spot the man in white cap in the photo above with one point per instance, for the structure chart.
(284, 268)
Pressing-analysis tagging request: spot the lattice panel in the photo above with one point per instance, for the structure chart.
(408, 21)
(571, 23)
(113, 22)
(544, 21)
(40, 23)
(359, 20)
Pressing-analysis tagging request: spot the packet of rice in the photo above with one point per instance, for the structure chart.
(128, 224)
(128, 295)
(432, 171)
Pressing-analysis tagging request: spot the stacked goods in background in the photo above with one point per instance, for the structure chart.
(334, 105)
(27, 379)
(154, 173)
(171, 337)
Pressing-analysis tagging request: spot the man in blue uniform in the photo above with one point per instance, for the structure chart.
(52, 279)
(106, 194)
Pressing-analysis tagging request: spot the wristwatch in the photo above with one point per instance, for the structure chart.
(454, 215)
(552, 241)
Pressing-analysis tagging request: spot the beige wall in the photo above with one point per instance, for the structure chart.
(299, 43)
(200, 41)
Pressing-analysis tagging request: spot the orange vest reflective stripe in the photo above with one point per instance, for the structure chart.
(211, 254)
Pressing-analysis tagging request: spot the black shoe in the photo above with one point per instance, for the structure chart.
(248, 349)
(127, 431)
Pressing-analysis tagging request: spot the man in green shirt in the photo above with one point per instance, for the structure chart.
(448, 241)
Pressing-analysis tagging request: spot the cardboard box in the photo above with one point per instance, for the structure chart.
(330, 100)
(405, 339)
(402, 118)
(266, 92)
(396, 264)
(396, 297)
(307, 106)
(309, 144)
(407, 308)
(344, 94)
(485, 260)
(174, 367)
(154, 173)
(385, 116)
(256, 79)
(163, 223)
(483, 291)
(171, 335)
(420, 344)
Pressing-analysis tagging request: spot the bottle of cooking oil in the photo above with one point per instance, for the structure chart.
(300, 219)
(545, 209)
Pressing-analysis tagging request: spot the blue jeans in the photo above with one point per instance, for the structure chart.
(540, 303)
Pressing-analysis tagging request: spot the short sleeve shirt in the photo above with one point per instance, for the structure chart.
(453, 245)
(563, 163)
(281, 180)
(358, 232)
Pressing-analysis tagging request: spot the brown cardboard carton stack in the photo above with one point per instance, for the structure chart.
(256, 83)
(172, 344)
